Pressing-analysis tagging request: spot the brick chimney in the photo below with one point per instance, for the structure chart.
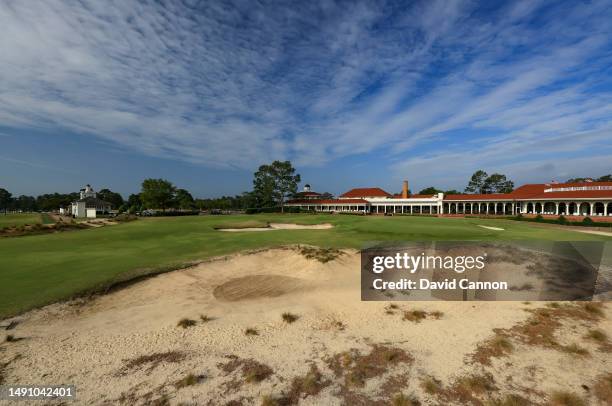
(405, 190)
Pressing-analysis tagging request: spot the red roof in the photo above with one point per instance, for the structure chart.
(366, 192)
(544, 191)
(327, 201)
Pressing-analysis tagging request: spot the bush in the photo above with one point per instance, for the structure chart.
(562, 219)
(539, 217)
(587, 220)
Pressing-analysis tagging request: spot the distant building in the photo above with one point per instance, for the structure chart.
(88, 205)
(587, 198)
(307, 194)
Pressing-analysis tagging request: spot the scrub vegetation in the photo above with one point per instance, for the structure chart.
(40, 269)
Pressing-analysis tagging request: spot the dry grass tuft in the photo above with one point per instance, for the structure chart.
(254, 372)
(185, 323)
(467, 389)
(301, 387)
(436, 314)
(575, 349)
(563, 398)
(164, 400)
(289, 317)
(205, 319)
(603, 388)
(477, 383)
(402, 400)
(269, 400)
(597, 335)
(322, 255)
(251, 332)
(498, 346)
(357, 368)
(594, 308)
(509, 400)
(11, 338)
(415, 315)
(188, 380)
(431, 385)
(152, 361)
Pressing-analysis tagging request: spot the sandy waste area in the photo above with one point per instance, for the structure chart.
(279, 327)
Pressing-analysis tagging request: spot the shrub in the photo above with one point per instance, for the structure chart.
(251, 332)
(539, 217)
(289, 317)
(587, 220)
(562, 219)
(186, 323)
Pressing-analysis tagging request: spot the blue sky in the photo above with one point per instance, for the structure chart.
(353, 93)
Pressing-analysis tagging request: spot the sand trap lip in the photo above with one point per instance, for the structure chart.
(491, 228)
(257, 286)
(604, 233)
(282, 226)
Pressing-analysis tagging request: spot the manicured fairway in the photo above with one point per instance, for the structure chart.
(41, 269)
(19, 219)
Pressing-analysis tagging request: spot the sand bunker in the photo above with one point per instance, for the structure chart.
(282, 226)
(126, 347)
(257, 286)
(491, 228)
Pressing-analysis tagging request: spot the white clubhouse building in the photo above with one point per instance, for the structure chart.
(570, 199)
(88, 205)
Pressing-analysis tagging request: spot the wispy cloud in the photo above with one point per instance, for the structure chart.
(237, 84)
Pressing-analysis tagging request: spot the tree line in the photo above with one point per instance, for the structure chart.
(483, 183)
(273, 184)
(50, 201)
(479, 183)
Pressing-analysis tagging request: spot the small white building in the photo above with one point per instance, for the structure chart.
(88, 205)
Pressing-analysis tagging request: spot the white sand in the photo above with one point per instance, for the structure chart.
(281, 226)
(604, 233)
(491, 228)
(88, 343)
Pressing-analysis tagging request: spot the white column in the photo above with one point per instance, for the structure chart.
(557, 208)
(592, 208)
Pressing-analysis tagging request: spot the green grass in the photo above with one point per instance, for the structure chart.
(37, 270)
(18, 219)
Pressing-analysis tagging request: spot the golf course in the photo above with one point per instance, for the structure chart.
(41, 269)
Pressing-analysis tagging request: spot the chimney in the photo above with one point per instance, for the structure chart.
(405, 190)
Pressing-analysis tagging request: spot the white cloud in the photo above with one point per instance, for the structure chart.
(238, 84)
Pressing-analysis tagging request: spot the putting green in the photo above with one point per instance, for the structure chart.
(37, 270)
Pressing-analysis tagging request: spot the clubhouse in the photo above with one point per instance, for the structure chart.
(570, 199)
